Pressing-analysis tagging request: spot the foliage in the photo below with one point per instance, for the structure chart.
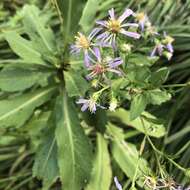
(142, 134)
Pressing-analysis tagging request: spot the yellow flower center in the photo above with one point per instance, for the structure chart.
(140, 16)
(114, 25)
(82, 41)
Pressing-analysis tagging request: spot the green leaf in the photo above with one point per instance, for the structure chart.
(34, 128)
(45, 165)
(75, 84)
(157, 96)
(16, 79)
(152, 128)
(141, 60)
(74, 150)
(138, 105)
(15, 111)
(160, 76)
(127, 156)
(71, 11)
(23, 48)
(101, 174)
(36, 26)
(88, 15)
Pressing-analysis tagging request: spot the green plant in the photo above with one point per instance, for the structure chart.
(41, 84)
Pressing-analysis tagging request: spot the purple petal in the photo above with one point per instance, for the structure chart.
(153, 53)
(74, 49)
(130, 34)
(118, 185)
(170, 47)
(82, 101)
(115, 63)
(94, 33)
(126, 14)
(115, 71)
(86, 59)
(160, 49)
(103, 36)
(93, 109)
(101, 22)
(111, 13)
(84, 107)
(97, 54)
(142, 24)
(130, 24)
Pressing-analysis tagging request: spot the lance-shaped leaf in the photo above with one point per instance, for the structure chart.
(74, 151)
(127, 156)
(150, 124)
(36, 26)
(75, 84)
(23, 48)
(16, 79)
(15, 111)
(45, 165)
(88, 15)
(71, 11)
(101, 174)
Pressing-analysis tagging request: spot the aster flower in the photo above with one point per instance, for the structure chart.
(158, 49)
(114, 26)
(118, 185)
(85, 44)
(89, 104)
(142, 19)
(101, 66)
(168, 41)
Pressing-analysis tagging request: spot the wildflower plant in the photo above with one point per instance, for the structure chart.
(80, 93)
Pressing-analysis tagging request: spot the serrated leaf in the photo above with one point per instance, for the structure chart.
(127, 156)
(15, 111)
(40, 34)
(88, 15)
(160, 76)
(75, 84)
(45, 165)
(74, 151)
(150, 127)
(101, 174)
(23, 48)
(157, 96)
(138, 105)
(17, 79)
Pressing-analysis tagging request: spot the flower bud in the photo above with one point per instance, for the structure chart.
(168, 55)
(113, 104)
(94, 83)
(126, 48)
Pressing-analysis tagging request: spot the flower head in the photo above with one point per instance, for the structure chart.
(102, 66)
(142, 19)
(89, 104)
(85, 44)
(168, 42)
(114, 26)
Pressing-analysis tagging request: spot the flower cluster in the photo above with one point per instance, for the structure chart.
(103, 52)
(160, 183)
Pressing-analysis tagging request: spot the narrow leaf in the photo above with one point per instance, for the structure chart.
(45, 165)
(88, 15)
(15, 111)
(101, 173)
(75, 84)
(74, 152)
(23, 48)
(16, 79)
